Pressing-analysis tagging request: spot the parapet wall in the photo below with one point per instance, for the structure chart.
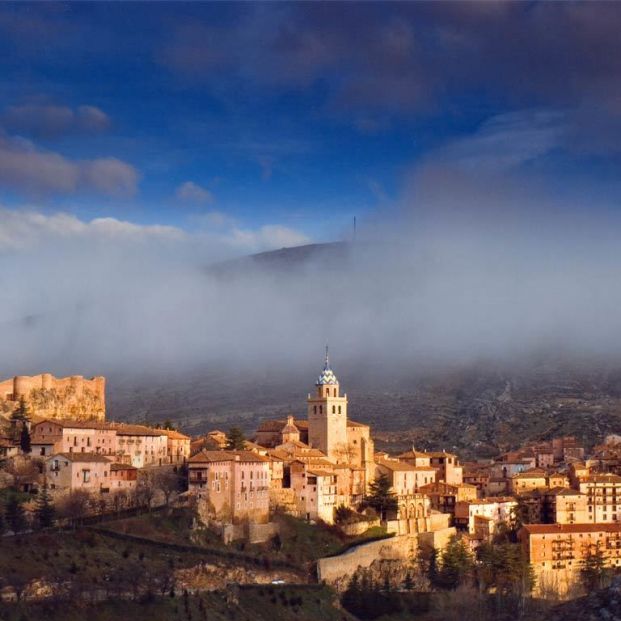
(67, 397)
(337, 570)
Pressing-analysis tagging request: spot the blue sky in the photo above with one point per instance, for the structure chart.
(238, 116)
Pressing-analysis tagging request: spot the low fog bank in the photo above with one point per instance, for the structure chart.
(396, 302)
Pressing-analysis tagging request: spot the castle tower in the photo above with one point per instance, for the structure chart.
(327, 416)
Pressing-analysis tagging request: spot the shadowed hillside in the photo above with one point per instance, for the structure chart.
(474, 407)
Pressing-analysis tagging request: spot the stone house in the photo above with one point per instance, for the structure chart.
(494, 510)
(78, 471)
(315, 491)
(556, 552)
(123, 477)
(603, 493)
(50, 436)
(231, 486)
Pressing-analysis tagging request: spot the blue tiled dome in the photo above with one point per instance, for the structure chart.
(327, 376)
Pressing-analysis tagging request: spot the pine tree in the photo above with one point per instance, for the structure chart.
(235, 440)
(432, 571)
(24, 439)
(457, 564)
(14, 515)
(408, 583)
(44, 510)
(351, 596)
(593, 568)
(381, 497)
(21, 413)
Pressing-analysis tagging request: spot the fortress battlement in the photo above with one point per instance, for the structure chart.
(64, 397)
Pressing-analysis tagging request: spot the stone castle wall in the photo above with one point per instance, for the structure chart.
(72, 397)
(337, 570)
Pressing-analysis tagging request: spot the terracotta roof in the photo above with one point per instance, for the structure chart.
(601, 478)
(253, 446)
(278, 425)
(492, 500)
(438, 487)
(75, 424)
(392, 464)
(552, 529)
(565, 491)
(123, 429)
(413, 454)
(173, 434)
(437, 454)
(320, 473)
(297, 444)
(82, 457)
(353, 423)
(534, 473)
(220, 456)
(115, 467)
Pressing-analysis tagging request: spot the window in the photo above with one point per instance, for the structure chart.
(339, 409)
(87, 475)
(314, 409)
(321, 409)
(333, 409)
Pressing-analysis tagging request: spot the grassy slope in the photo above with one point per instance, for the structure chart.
(84, 555)
(299, 542)
(253, 604)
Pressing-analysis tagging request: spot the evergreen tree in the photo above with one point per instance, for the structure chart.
(504, 569)
(352, 595)
(432, 571)
(235, 440)
(381, 497)
(14, 515)
(21, 413)
(593, 570)
(168, 425)
(44, 510)
(408, 583)
(457, 564)
(24, 439)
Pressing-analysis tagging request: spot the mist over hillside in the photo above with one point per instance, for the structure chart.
(463, 344)
(468, 308)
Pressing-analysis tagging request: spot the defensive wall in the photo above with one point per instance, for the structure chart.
(65, 397)
(334, 569)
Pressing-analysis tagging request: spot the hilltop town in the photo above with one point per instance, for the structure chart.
(62, 464)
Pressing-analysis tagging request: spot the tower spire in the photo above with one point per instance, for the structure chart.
(327, 364)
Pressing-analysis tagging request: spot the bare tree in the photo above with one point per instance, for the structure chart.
(119, 500)
(166, 482)
(74, 506)
(144, 492)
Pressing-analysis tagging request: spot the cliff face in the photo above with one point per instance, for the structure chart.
(72, 397)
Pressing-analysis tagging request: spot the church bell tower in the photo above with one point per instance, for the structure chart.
(327, 416)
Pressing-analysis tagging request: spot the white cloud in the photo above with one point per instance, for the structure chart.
(92, 119)
(52, 121)
(506, 141)
(30, 170)
(110, 176)
(267, 237)
(193, 193)
(28, 229)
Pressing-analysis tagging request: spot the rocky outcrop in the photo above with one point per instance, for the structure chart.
(73, 397)
(216, 576)
(603, 605)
